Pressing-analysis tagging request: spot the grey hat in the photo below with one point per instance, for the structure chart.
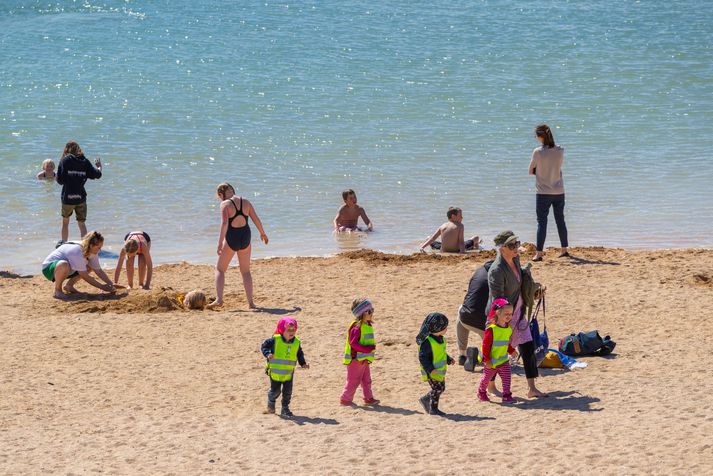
(505, 237)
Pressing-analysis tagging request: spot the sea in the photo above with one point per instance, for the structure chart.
(417, 106)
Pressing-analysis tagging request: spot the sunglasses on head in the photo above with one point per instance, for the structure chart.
(514, 245)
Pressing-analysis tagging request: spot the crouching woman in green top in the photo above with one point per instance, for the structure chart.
(434, 359)
(283, 351)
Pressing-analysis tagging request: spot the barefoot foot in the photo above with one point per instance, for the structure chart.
(215, 305)
(536, 394)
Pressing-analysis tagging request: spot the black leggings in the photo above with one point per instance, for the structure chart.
(437, 388)
(529, 362)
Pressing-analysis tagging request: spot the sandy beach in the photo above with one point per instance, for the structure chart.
(132, 384)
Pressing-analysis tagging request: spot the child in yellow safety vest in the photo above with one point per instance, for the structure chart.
(283, 352)
(434, 359)
(359, 353)
(496, 349)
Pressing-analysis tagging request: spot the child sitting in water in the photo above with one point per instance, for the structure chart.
(348, 215)
(282, 351)
(48, 172)
(359, 353)
(451, 233)
(434, 359)
(136, 243)
(496, 348)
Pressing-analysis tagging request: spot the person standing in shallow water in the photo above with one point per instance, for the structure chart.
(546, 166)
(235, 238)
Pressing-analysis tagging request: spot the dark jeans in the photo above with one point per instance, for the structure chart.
(280, 387)
(543, 203)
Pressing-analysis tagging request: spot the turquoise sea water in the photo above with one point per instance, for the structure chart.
(417, 105)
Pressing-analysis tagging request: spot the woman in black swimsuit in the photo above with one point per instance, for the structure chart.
(235, 238)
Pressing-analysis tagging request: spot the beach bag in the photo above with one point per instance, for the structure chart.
(540, 340)
(586, 343)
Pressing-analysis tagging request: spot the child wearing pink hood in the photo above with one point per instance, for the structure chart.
(283, 352)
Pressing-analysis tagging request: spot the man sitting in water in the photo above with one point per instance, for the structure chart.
(349, 213)
(451, 233)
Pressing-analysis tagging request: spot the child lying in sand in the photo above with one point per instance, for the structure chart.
(195, 299)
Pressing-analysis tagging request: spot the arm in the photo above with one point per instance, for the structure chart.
(149, 268)
(268, 347)
(258, 223)
(496, 283)
(88, 278)
(60, 172)
(368, 223)
(425, 357)
(224, 218)
(461, 239)
(354, 336)
(533, 163)
(103, 276)
(487, 345)
(119, 264)
(301, 358)
(41, 175)
(431, 239)
(94, 173)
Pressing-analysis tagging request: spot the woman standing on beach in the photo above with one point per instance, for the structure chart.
(505, 281)
(235, 238)
(71, 262)
(546, 166)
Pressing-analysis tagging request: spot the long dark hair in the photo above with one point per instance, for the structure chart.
(544, 131)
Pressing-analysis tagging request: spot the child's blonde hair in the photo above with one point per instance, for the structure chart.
(48, 163)
(131, 245)
(195, 299)
(90, 239)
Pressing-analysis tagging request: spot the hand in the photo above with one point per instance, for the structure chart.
(264, 238)
(109, 288)
(450, 361)
(270, 356)
(422, 250)
(220, 249)
(98, 162)
(305, 366)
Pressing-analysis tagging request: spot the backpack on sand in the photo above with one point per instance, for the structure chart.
(586, 343)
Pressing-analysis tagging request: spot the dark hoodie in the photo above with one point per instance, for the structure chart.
(72, 174)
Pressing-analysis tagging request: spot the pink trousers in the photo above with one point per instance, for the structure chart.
(358, 373)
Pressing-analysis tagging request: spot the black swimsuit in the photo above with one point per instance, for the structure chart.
(238, 238)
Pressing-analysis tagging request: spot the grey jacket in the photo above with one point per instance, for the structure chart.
(503, 283)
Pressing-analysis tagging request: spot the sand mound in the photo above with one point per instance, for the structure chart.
(377, 257)
(160, 300)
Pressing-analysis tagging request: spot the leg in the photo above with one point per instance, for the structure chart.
(69, 287)
(542, 206)
(437, 388)
(142, 269)
(462, 333)
(529, 362)
(61, 271)
(65, 228)
(287, 394)
(366, 383)
(220, 268)
(273, 394)
(244, 263)
(82, 228)
(130, 271)
(505, 373)
(558, 208)
(354, 371)
(485, 381)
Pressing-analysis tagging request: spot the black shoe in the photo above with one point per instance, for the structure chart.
(426, 403)
(461, 360)
(471, 359)
(537, 258)
(286, 413)
(436, 411)
(269, 410)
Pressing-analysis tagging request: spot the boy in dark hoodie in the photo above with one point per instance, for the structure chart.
(73, 171)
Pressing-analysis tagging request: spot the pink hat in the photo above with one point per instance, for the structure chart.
(284, 322)
(497, 305)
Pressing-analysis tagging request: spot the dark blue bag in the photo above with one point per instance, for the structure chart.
(540, 339)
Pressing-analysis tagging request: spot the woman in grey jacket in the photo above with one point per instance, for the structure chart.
(505, 281)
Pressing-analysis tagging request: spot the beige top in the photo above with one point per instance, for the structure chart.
(548, 170)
